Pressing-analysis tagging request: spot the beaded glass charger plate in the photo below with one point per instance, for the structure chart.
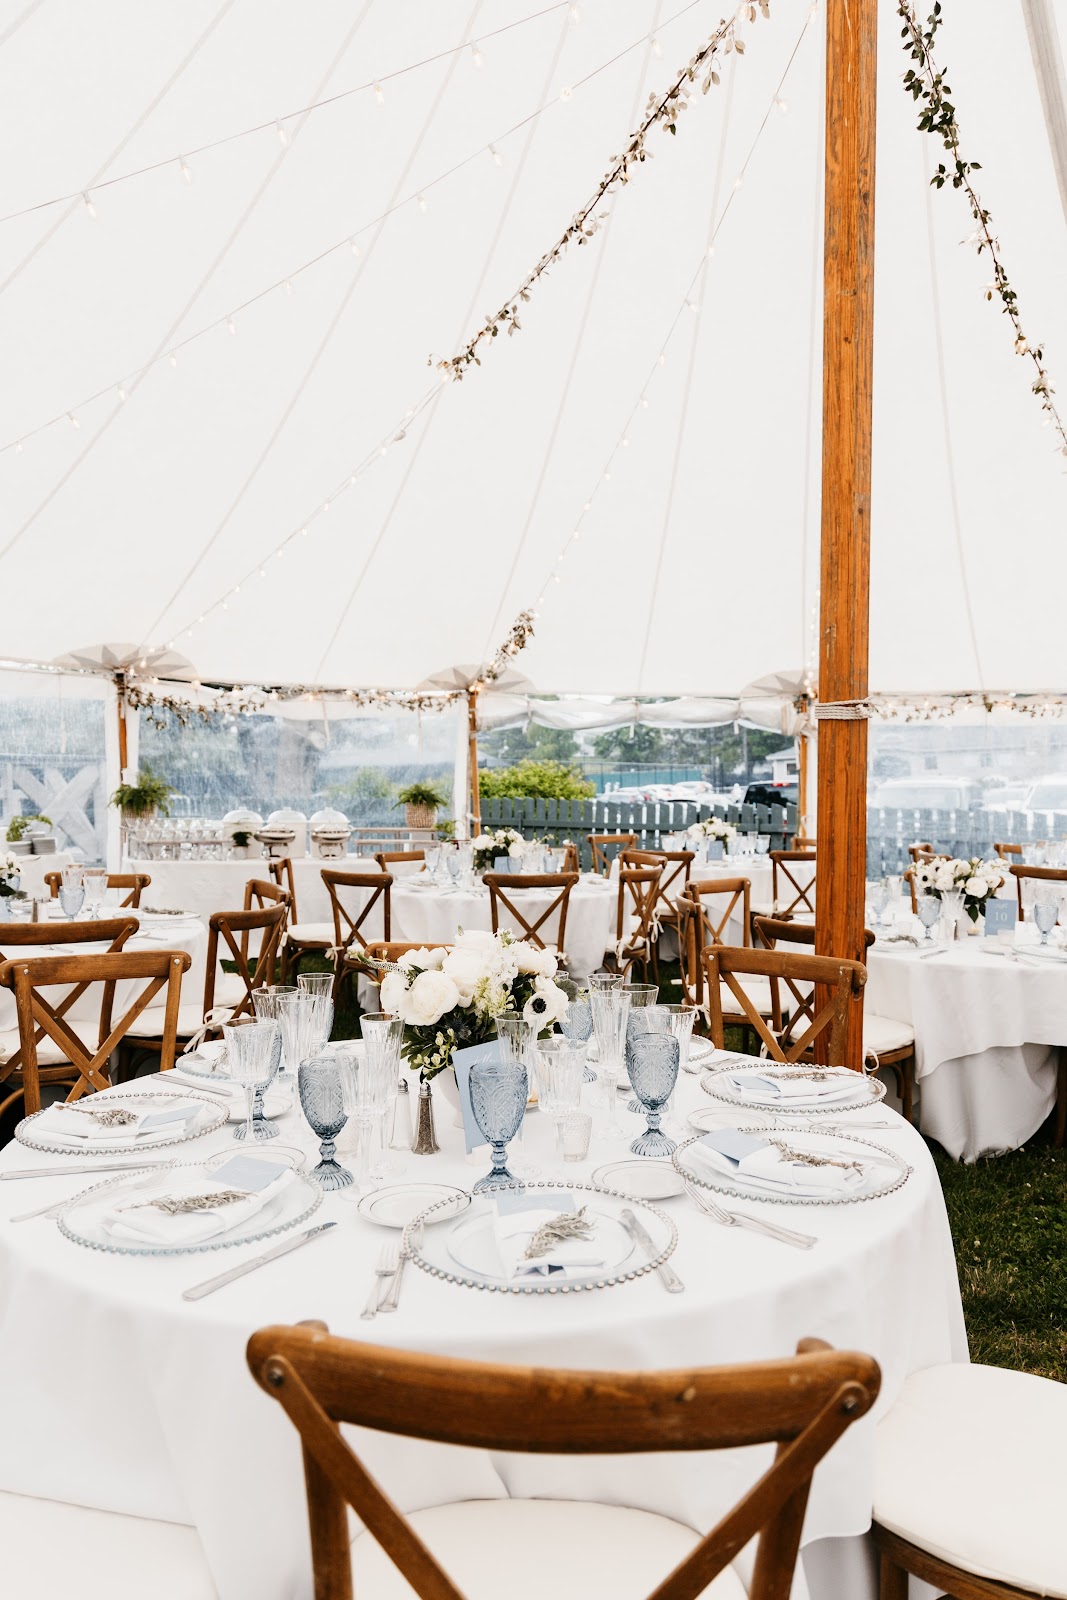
(467, 1253)
(206, 1116)
(832, 1089)
(699, 1050)
(870, 1170)
(86, 1221)
(396, 1206)
(647, 1180)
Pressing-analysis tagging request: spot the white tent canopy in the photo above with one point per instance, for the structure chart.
(697, 567)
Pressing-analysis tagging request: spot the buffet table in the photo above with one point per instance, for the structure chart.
(168, 1423)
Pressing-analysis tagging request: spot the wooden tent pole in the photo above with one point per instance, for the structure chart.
(848, 359)
(120, 700)
(472, 759)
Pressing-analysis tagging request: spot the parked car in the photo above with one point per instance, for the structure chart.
(935, 793)
(771, 794)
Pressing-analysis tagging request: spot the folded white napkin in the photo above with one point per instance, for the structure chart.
(517, 1217)
(209, 1056)
(795, 1091)
(757, 1159)
(166, 1117)
(259, 1181)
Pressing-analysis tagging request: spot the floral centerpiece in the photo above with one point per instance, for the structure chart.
(975, 879)
(10, 868)
(501, 842)
(714, 830)
(450, 998)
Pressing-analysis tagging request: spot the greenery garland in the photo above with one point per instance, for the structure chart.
(927, 84)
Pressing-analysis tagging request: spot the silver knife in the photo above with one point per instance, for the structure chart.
(198, 1290)
(637, 1231)
(92, 1166)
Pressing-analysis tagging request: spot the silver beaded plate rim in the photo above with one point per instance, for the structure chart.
(840, 1199)
(99, 1147)
(544, 1286)
(315, 1197)
(710, 1074)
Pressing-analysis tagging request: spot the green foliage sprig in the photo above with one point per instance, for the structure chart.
(149, 794)
(534, 780)
(422, 794)
(18, 825)
(927, 85)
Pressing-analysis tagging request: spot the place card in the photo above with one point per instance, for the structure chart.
(715, 850)
(475, 1055)
(502, 864)
(1000, 914)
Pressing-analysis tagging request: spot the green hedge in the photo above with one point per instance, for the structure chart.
(534, 780)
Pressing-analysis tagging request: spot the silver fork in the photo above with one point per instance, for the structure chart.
(391, 1299)
(745, 1219)
(42, 1211)
(388, 1263)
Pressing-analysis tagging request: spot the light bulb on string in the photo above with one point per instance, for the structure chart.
(185, 169)
(288, 286)
(575, 16)
(283, 137)
(354, 245)
(476, 56)
(497, 157)
(173, 359)
(781, 105)
(423, 203)
(88, 204)
(566, 93)
(657, 48)
(72, 419)
(738, 181)
(121, 392)
(231, 326)
(379, 94)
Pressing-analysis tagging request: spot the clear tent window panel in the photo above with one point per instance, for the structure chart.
(52, 756)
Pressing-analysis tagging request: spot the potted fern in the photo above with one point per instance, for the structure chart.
(140, 801)
(421, 802)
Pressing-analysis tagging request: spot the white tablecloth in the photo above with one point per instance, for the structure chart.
(207, 886)
(186, 934)
(434, 916)
(986, 1028)
(33, 868)
(169, 1424)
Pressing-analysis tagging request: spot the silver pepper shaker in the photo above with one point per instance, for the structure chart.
(401, 1133)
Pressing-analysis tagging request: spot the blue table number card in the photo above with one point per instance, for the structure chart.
(463, 1061)
(502, 864)
(715, 850)
(1000, 914)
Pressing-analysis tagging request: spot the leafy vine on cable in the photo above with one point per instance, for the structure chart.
(927, 84)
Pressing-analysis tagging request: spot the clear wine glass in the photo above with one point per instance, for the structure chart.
(559, 1082)
(95, 883)
(928, 907)
(611, 1008)
(878, 899)
(319, 986)
(269, 1002)
(253, 1051)
(1046, 913)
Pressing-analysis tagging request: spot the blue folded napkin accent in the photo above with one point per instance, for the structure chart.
(159, 1119)
(757, 1081)
(733, 1144)
(246, 1172)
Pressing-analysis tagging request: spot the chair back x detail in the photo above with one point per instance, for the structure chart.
(387, 859)
(793, 890)
(281, 871)
(706, 907)
(674, 867)
(729, 964)
(601, 843)
(1036, 876)
(803, 1405)
(39, 1017)
(501, 886)
(114, 931)
(234, 930)
(635, 917)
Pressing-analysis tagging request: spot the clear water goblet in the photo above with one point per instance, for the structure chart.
(928, 907)
(432, 860)
(253, 1051)
(577, 1026)
(763, 843)
(269, 1003)
(559, 1082)
(71, 894)
(95, 882)
(499, 1091)
(604, 980)
(652, 1062)
(611, 1008)
(384, 1033)
(319, 986)
(878, 899)
(321, 1088)
(1046, 912)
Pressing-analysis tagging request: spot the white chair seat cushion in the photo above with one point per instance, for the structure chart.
(533, 1549)
(48, 1052)
(883, 1034)
(311, 933)
(969, 1467)
(756, 987)
(54, 1551)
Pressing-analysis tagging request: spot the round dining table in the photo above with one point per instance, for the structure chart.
(129, 1398)
(990, 1017)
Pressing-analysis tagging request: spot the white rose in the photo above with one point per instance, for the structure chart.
(976, 887)
(528, 957)
(549, 962)
(476, 939)
(393, 993)
(517, 849)
(430, 996)
(421, 960)
(467, 969)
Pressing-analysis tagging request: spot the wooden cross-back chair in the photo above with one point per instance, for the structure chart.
(797, 897)
(135, 882)
(635, 919)
(803, 1404)
(301, 938)
(675, 870)
(600, 843)
(707, 907)
(921, 850)
(351, 924)
(909, 878)
(29, 977)
(260, 893)
(52, 1063)
(281, 871)
(387, 859)
(502, 885)
(1006, 850)
(1036, 875)
(366, 958)
(887, 1042)
(727, 965)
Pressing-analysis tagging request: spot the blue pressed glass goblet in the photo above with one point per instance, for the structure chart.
(499, 1091)
(323, 1103)
(577, 1026)
(652, 1062)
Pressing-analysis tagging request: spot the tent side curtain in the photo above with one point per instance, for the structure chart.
(578, 716)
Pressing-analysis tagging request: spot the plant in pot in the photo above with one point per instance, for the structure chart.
(421, 802)
(141, 800)
(242, 841)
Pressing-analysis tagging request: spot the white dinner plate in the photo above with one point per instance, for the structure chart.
(867, 1090)
(648, 1180)
(472, 1245)
(398, 1205)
